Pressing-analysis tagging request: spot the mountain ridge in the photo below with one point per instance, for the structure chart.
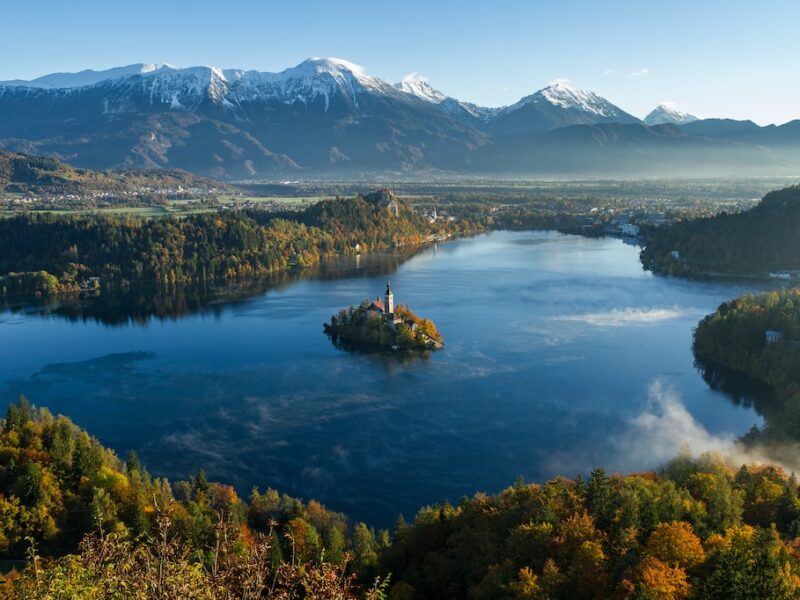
(328, 117)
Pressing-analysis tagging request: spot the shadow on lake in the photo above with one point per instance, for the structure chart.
(379, 354)
(140, 303)
(739, 388)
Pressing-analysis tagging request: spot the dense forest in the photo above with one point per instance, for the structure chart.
(361, 327)
(694, 529)
(735, 337)
(58, 485)
(92, 526)
(755, 242)
(45, 253)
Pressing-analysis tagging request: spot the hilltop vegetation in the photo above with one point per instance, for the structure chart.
(51, 253)
(694, 529)
(59, 487)
(734, 337)
(763, 239)
(42, 175)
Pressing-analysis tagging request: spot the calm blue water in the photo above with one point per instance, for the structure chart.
(561, 354)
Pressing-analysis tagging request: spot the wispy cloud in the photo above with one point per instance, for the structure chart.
(640, 73)
(666, 428)
(625, 316)
(608, 72)
(413, 77)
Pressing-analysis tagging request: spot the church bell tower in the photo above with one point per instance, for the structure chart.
(388, 306)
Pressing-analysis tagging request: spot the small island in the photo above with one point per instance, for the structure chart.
(376, 324)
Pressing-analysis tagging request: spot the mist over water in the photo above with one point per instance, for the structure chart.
(561, 354)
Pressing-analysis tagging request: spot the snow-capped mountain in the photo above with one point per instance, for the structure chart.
(417, 85)
(564, 96)
(668, 113)
(558, 105)
(231, 122)
(188, 88)
(312, 79)
(328, 115)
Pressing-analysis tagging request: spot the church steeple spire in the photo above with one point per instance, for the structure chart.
(388, 306)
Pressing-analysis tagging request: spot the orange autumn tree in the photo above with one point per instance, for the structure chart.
(675, 544)
(659, 581)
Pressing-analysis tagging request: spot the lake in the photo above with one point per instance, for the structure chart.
(561, 354)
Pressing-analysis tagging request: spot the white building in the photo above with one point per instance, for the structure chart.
(773, 336)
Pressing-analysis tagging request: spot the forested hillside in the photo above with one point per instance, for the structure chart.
(42, 175)
(734, 336)
(694, 529)
(50, 253)
(755, 242)
(58, 485)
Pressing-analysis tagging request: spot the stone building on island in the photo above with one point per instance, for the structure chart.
(385, 308)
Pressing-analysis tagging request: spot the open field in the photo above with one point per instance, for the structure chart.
(288, 200)
(186, 207)
(696, 196)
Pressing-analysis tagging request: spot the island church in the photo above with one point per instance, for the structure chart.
(385, 308)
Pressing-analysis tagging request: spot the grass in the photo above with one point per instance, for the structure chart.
(138, 211)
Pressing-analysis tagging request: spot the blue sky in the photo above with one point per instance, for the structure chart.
(713, 58)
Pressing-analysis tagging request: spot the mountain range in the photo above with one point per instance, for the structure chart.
(328, 117)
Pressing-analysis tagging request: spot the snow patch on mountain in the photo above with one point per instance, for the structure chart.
(562, 95)
(417, 85)
(668, 113)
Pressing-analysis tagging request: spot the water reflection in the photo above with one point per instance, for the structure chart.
(140, 304)
(378, 354)
(738, 387)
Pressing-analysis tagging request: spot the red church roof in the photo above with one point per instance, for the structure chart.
(377, 304)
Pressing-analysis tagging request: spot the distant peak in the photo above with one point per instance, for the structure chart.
(417, 85)
(562, 88)
(560, 93)
(560, 84)
(668, 113)
(328, 64)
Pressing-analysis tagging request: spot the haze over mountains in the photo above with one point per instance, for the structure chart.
(328, 117)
